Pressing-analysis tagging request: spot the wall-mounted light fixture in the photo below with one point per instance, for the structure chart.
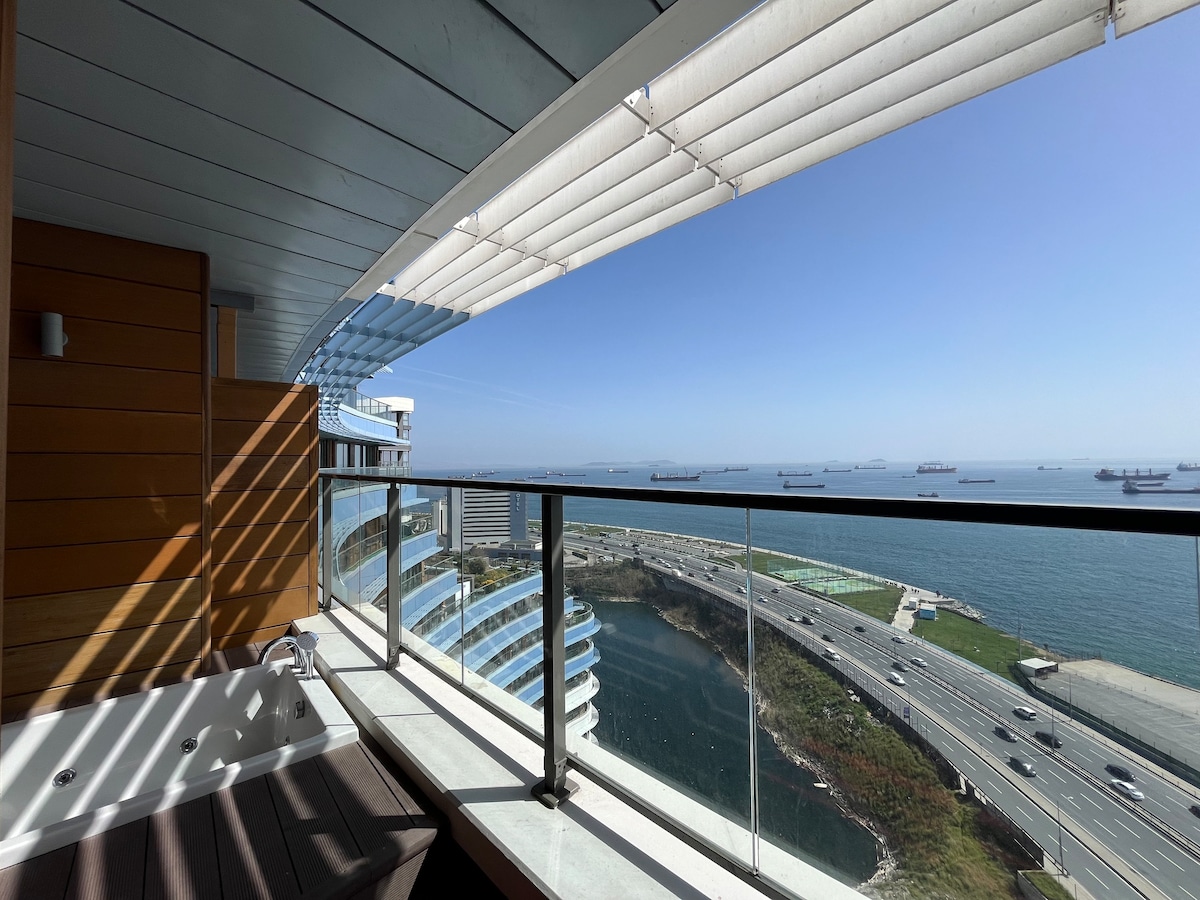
(53, 339)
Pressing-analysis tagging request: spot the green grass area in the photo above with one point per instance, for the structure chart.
(762, 561)
(981, 644)
(880, 604)
(1048, 885)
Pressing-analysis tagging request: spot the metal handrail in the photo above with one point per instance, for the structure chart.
(1141, 520)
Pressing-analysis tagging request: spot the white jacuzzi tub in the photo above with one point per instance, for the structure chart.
(132, 756)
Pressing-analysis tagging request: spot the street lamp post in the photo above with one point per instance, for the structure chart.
(1058, 818)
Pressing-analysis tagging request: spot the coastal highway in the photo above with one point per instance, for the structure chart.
(1114, 847)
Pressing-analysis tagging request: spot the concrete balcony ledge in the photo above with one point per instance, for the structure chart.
(479, 770)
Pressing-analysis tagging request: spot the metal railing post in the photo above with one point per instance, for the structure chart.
(751, 693)
(393, 575)
(555, 787)
(327, 544)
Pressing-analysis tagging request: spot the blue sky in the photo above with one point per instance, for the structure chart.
(1015, 278)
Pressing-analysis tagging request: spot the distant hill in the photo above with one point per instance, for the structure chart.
(640, 462)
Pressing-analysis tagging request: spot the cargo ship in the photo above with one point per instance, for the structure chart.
(1131, 487)
(674, 476)
(788, 484)
(737, 468)
(1126, 475)
(870, 467)
(837, 470)
(977, 481)
(1049, 468)
(930, 494)
(936, 468)
(618, 471)
(783, 474)
(1188, 467)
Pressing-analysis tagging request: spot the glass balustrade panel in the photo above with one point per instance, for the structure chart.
(962, 690)
(667, 710)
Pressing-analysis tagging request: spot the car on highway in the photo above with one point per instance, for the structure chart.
(774, 590)
(1194, 809)
(899, 666)
(827, 637)
(1127, 789)
(1024, 766)
(709, 578)
(807, 620)
(793, 618)
(814, 610)
(919, 663)
(833, 655)
(1024, 712)
(897, 639)
(741, 590)
(896, 678)
(761, 599)
(1048, 738)
(691, 574)
(1120, 772)
(859, 629)
(1005, 733)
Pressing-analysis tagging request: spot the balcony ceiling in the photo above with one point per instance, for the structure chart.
(312, 148)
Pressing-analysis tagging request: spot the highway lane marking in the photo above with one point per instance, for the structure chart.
(1091, 801)
(1056, 775)
(1168, 859)
(980, 721)
(1097, 877)
(1025, 814)
(1126, 827)
(1146, 861)
(968, 763)
(1073, 803)
(942, 708)
(1189, 893)
(1105, 827)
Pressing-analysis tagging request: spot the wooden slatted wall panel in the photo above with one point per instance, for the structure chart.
(105, 550)
(264, 509)
(8, 69)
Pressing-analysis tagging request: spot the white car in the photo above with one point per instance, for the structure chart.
(919, 663)
(833, 655)
(761, 599)
(896, 678)
(1024, 712)
(1127, 789)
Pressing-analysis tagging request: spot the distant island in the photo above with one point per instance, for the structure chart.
(640, 462)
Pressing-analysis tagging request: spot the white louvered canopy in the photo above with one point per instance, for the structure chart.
(791, 84)
(312, 148)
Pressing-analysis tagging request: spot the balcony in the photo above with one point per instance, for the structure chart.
(716, 710)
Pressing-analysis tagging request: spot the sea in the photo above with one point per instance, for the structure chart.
(1132, 599)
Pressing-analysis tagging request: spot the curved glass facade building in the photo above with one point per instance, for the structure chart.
(478, 603)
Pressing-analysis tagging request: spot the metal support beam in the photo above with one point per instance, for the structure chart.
(393, 576)
(326, 544)
(554, 788)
